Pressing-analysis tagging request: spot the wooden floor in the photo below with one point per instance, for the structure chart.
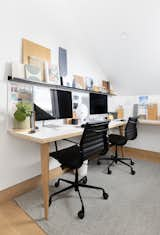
(14, 221)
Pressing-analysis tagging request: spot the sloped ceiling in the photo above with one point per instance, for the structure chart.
(123, 36)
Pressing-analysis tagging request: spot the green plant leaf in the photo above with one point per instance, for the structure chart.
(25, 108)
(20, 116)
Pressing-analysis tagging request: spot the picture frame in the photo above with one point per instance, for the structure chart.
(52, 74)
(78, 82)
(33, 73)
(18, 70)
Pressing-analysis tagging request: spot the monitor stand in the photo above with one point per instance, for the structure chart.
(43, 123)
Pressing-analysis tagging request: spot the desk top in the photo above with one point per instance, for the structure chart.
(48, 134)
(149, 122)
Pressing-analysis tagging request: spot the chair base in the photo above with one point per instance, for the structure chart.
(116, 159)
(76, 185)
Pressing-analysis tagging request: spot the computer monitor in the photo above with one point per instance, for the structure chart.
(52, 104)
(42, 104)
(98, 103)
(61, 104)
(41, 115)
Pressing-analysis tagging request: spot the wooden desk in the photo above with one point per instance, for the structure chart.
(149, 122)
(44, 137)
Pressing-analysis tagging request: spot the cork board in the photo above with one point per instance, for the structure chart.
(30, 48)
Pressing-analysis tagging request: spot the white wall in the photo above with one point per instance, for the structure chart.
(125, 37)
(93, 34)
(20, 160)
(148, 136)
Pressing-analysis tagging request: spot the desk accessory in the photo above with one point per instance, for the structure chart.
(74, 121)
(32, 123)
(96, 88)
(89, 83)
(120, 112)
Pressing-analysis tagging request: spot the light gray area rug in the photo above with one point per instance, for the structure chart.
(133, 207)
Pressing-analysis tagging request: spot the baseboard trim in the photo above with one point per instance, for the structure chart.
(142, 154)
(28, 185)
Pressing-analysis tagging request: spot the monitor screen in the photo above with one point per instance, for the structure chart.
(62, 104)
(98, 104)
(42, 104)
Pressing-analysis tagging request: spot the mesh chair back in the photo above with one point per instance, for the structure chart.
(131, 129)
(94, 139)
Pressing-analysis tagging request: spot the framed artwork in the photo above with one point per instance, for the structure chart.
(35, 55)
(62, 59)
(33, 73)
(19, 93)
(78, 82)
(106, 85)
(39, 63)
(53, 75)
(30, 49)
(142, 106)
(143, 100)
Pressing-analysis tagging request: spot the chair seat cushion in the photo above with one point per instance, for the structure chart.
(117, 139)
(69, 157)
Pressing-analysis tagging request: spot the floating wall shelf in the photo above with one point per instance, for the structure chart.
(44, 84)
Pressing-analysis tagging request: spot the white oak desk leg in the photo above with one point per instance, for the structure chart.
(121, 132)
(45, 176)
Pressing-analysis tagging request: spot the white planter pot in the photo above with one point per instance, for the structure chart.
(22, 125)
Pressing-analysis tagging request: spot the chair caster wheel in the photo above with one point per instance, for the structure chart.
(109, 172)
(50, 201)
(81, 214)
(98, 163)
(105, 195)
(84, 181)
(56, 184)
(133, 172)
(132, 163)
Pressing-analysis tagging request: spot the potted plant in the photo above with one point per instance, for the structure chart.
(22, 115)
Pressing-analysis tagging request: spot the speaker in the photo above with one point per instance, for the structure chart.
(62, 63)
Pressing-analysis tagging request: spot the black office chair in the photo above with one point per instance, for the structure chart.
(118, 140)
(93, 142)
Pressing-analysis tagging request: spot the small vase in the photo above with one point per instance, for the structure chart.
(22, 125)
